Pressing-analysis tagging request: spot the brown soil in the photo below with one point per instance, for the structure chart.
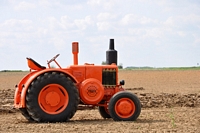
(170, 103)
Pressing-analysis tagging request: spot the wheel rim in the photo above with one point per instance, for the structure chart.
(125, 108)
(53, 99)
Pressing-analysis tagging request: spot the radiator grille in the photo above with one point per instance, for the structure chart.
(109, 77)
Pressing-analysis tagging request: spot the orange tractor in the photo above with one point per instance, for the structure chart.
(55, 94)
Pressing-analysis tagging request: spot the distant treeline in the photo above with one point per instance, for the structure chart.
(145, 67)
(11, 71)
(161, 68)
(134, 68)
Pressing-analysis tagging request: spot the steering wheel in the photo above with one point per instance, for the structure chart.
(53, 59)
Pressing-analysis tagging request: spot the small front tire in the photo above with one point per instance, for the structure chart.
(124, 106)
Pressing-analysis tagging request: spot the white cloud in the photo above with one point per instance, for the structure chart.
(192, 18)
(103, 26)
(154, 33)
(61, 5)
(196, 39)
(136, 31)
(66, 22)
(135, 19)
(3, 41)
(44, 3)
(170, 22)
(106, 21)
(128, 19)
(93, 2)
(82, 24)
(23, 6)
(52, 23)
(58, 42)
(146, 20)
(42, 31)
(182, 25)
(105, 4)
(17, 24)
(15, 32)
(106, 16)
(144, 32)
(181, 33)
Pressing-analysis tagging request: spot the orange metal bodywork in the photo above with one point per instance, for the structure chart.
(78, 74)
(22, 87)
(87, 77)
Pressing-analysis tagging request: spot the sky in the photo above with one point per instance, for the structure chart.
(156, 33)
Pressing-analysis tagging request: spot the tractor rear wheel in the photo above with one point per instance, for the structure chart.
(124, 106)
(52, 97)
(25, 114)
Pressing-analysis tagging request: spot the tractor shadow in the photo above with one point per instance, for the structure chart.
(104, 121)
(99, 121)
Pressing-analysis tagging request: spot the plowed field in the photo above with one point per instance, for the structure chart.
(170, 103)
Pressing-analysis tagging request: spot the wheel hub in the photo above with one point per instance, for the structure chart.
(52, 98)
(124, 107)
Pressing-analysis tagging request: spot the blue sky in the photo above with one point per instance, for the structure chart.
(156, 33)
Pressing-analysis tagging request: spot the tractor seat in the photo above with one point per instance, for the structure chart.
(34, 65)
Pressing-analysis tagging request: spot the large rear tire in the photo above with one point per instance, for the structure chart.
(52, 97)
(124, 106)
(25, 114)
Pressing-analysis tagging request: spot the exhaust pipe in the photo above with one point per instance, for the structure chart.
(111, 54)
(75, 52)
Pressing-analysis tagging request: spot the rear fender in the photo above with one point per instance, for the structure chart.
(28, 80)
(19, 87)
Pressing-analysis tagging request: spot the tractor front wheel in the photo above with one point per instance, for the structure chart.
(124, 106)
(52, 97)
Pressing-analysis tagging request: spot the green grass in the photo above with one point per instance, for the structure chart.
(182, 68)
(171, 116)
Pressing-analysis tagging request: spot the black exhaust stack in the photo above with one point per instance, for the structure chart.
(111, 54)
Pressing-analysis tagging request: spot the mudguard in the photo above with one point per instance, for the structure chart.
(22, 87)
